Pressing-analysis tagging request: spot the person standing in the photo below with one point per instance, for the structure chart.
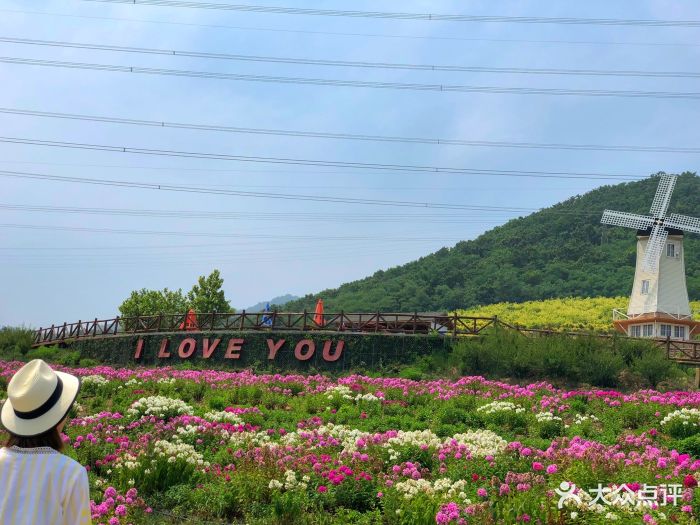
(38, 484)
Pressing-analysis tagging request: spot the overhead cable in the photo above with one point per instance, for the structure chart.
(348, 136)
(431, 17)
(442, 88)
(354, 63)
(318, 163)
(413, 36)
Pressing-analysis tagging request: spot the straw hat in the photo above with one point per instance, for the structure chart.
(38, 398)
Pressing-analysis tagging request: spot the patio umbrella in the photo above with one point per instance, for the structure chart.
(318, 314)
(190, 323)
(267, 319)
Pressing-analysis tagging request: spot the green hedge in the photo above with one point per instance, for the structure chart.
(361, 351)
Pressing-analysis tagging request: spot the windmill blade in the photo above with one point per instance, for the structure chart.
(628, 220)
(655, 246)
(683, 222)
(663, 196)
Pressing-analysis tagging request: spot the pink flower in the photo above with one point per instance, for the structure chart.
(380, 494)
(481, 492)
(537, 466)
(120, 510)
(322, 488)
(552, 469)
(687, 508)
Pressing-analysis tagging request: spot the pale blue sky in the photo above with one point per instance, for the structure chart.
(53, 275)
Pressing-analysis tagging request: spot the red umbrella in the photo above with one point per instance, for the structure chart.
(318, 314)
(190, 323)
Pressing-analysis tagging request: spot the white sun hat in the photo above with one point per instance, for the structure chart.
(38, 398)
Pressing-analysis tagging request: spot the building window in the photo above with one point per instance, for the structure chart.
(670, 250)
(679, 332)
(645, 286)
(648, 330)
(636, 330)
(665, 330)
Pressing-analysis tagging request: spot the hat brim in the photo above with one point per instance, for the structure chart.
(34, 427)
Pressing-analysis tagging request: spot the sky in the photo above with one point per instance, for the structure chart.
(73, 250)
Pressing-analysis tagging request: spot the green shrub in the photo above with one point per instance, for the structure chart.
(15, 342)
(411, 373)
(653, 367)
(54, 354)
(689, 445)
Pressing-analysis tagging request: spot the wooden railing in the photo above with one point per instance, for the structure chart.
(392, 323)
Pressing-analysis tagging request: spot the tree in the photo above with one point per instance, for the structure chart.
(153, 302)
(207, 295)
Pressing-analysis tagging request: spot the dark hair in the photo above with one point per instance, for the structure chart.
(50, 438)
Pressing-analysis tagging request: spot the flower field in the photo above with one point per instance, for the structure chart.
(189, 446)
(592, 314)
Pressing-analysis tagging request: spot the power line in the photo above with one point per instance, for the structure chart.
(442, 88)
(349, 136)
(250, 216)
(264, 195)
(319, 163)
(355, 34)
(326, 238)
(353, 64)
(235, 193)
(411, 16)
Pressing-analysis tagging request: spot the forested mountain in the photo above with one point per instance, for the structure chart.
(562, 251)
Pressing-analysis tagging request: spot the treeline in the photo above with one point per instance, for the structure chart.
(562, 251)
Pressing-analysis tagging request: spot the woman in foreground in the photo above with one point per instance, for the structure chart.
(38, 484)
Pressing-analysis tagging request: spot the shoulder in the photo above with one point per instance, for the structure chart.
(75, 470)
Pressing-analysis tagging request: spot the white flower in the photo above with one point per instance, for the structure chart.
(479, 442)
(543, 417)
(223, 417)
(685, 416)
(159, 406)
(97, 380)
(500, 406)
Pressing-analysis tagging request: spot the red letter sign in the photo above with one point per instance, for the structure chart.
(163, 352)
(274, 347)
(139, 349)
(330, 357)
(187, 348)
(208, 350)
(300, 354)
(234, 349)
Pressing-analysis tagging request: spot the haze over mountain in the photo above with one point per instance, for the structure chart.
(282, 299)
(561, 251)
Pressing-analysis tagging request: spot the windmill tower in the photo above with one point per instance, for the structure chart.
(659, 305)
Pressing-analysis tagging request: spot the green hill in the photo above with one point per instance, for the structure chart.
(562, 251)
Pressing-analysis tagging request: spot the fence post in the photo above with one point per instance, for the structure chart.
(242, 319)
(303, 327)
(116, 325)
(454, 325)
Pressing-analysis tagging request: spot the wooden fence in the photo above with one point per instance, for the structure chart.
(391, 323)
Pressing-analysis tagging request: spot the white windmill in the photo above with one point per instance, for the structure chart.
(659, 305)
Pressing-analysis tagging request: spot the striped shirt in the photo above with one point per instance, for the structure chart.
(39, 486)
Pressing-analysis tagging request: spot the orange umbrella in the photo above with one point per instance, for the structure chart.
(318, 314)
(190, 323)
